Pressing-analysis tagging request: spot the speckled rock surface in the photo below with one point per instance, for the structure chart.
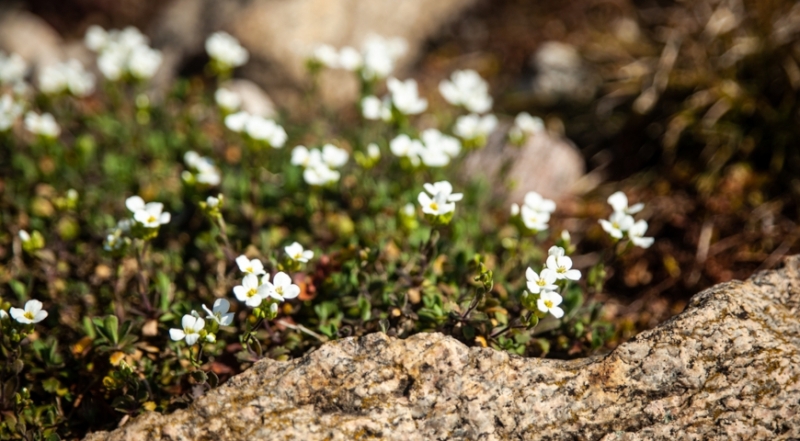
(726, 368)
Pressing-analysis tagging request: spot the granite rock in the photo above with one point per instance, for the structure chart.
(728, 367)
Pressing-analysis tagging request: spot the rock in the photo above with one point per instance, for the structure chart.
(254, 100)
(31, 37)
(728, 367)
(561, 74)
(545, 164)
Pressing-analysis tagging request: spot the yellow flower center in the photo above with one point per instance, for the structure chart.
(279, 290)
(548, 303)
(28, 315)
(151, 219)
(434, 206)
(541, 282)
(298, 256)
(561, 270)
(252, 292)
(249, 269)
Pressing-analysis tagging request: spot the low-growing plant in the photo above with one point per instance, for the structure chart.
(152, 272)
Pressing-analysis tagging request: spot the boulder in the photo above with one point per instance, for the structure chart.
(728, 367)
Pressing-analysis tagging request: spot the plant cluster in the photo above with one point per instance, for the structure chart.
(142, 213)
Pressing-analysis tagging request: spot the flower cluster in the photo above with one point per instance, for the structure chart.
(31, 242)
(10, 110)
(12, 69)
(201, 170)
(403, 98)
(227, 100)
(534, 213)
(438, 203)
(524, 127)
(225, 51)
(542, 295)
(258, 128)
(320, 165)
(375, 61)
(467, 89)
(146, 220)
(475, 129)
(621, 223)
(435, 149)
(123, 53)
(43, 125)
(68, 77)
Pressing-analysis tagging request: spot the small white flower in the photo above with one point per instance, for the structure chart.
(191, 329)
(443, 200)
(212, 202)
(143, 62)
(536, 202)
(236, 122)
(439, 148)
(296, 252)
(544, 281)
(227, 99)
(304, 157)
(534, 220)
(12, 68)
(326, 55)
(282, 287)
(514, 209)
(226, 50)
(466, 88)
(409, 210)
(349, 59)
(380, 55)
(267, 130)
(474, 126)
(3, 315)
(444, 188)
(636, 234)
(220, 313)
(373, 151)
(150, 215)
(562, 267)
(96, 38)
(556, 251)
(10, 110)
(525, 125)
(251, 292)
(248, 266)
(617, 224)
(404, 147)
(43, 125)
(66, 77)
(548, 302)
(24, 236)
(333, 156)
(32, 313)
(619, 202)
(373, 108)
(405, 96)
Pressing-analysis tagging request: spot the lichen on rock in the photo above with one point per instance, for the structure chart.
(728, 367)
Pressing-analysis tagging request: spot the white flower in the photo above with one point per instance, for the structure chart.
(24, 236)
(525, 125)
(514, 209)
(561, 266)
(443, 200)
(251, 292)
(12, 68)
(226, 50)
(203, 167)
(556, 251)
(267, 130)
(304, 157)
(436, 141)
(43, 125)
(619, 202)
(9, 112)
(220, 312)
(32, 313)
(96, 38)
(112, 63)
(144, 62)
(349, 59)
(320, 174)
(66, 77)
(227, 99)
(474, 126)
(548, 302)
(405, 96)
(544, 281)
(380, 55)
(191, 329)
(536, 202)
(236, 122)
(326, 55)
(3, 315)
(409, 210)
(150, 215)
(534, 220)
(617, 224)
(404, 147)
(466, 88)
(248, 266)
(212, 202)
(636, 234)
(373, 151)
(333, 156)
(373, 108)
(282, 287)
(296, 252)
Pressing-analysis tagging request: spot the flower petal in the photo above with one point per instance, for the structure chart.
(176, 334)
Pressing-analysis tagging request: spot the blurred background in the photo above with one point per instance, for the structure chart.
(690, 106)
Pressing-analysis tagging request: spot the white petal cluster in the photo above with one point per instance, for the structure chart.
(190, 329)
(226, 50)
(405, 96)
(561, 264)
(149, 215)
(296, 252)
(621, 223)
(43, 125)
(258, 128)
(439, 199)
(525, 126)
(320, 165)
(544, 285)
(123, 53)
(374, 108)
(10, 111)
(31, 313)
(68, 77)
(227, 100)
(253, 291)
(375, 61)
(201, 170)
(435, 149)
(474, 127)
(535, 211)
(220, 313)
(12, 68)
(467, 89)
